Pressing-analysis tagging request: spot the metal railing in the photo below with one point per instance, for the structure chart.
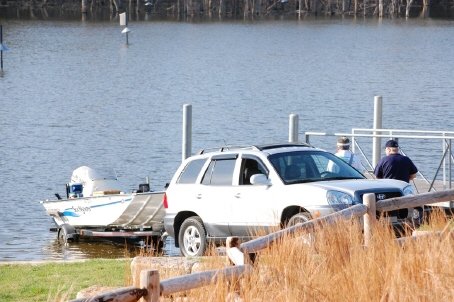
(445, 137)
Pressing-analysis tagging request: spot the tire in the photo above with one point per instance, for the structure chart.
(192, 237)
(309, 238)
(67, 233)
(298, 218)
(61, 236)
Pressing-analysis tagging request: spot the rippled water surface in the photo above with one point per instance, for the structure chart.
(72, 94)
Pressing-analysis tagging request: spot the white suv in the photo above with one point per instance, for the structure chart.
(245, 190)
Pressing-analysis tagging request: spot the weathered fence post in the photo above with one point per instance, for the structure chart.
(235, 257)
(293, 128)
(149, 279)
(370, 217)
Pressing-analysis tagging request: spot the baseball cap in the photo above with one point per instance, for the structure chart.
(343, 141)
(392, 144)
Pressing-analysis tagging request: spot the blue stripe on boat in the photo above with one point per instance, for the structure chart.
(70, 211)
(71, 214)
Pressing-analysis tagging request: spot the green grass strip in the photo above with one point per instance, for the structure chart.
(58, 281)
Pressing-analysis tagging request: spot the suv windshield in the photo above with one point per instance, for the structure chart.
(309, 166)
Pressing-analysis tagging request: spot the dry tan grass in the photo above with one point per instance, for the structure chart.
(337, 267)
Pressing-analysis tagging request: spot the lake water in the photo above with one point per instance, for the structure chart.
(72, 94)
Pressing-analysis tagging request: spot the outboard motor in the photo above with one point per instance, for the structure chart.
(144, 188)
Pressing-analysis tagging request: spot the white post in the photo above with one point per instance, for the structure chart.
(369, 217)
(187, 131)
(376, 141)
(293, 128)
(124, 22)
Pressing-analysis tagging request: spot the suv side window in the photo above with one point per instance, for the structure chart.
(191, 171)
(219, 172)
(250, 167)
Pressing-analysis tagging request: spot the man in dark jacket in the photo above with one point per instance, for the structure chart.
(395, 165)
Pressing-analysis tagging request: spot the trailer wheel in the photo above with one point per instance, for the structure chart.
(67, 233)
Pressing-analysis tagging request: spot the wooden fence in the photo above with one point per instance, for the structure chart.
(152, 288)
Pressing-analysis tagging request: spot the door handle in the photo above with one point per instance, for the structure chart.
(238, 195)
(199, 196)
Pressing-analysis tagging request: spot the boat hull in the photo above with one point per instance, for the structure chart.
(122, 211)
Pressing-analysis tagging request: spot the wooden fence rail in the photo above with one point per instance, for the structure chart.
(260, 243)
(358, 210)
(415, 200)
(124, 294)
(196, 280)
(152, 288)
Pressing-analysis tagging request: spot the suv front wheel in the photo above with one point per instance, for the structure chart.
(192, 237)
(301, 217)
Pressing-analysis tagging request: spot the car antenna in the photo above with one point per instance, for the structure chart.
(223, 148)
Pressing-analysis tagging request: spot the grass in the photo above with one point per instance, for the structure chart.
(59, 281)
(336, 267)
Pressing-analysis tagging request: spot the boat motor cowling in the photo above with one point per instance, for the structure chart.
(143, 188)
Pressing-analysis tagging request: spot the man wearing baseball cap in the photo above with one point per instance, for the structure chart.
(395, 165)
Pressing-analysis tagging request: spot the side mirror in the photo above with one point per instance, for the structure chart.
(260, 179)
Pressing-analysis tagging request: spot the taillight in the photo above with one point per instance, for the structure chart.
(164, 201)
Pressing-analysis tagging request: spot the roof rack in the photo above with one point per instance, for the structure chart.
(284, 145)
(225, 148)
(253, 147)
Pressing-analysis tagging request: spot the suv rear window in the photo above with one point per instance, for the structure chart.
(191, 171)
(219, 172)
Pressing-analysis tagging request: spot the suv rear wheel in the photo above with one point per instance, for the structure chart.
(192, 237)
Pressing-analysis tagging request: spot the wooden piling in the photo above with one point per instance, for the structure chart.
(376, 141)
(187, 131)
(293, 128)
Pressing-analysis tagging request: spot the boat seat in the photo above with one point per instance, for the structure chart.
(107, 192)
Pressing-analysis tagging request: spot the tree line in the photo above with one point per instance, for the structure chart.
(247, 8)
